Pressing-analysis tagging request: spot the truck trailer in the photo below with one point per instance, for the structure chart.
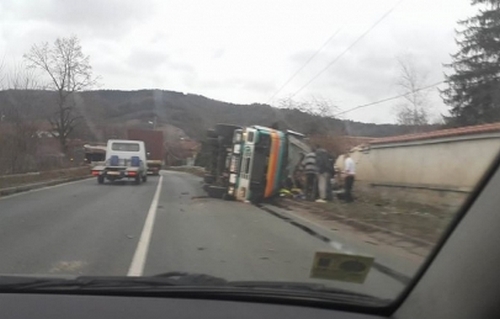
(155, 147)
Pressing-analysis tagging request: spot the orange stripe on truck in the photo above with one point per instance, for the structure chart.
(273, 163)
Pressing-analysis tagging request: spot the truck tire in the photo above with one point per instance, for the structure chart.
(209, 179)
(225, 133)
(226, 130)
(212, 141)
(145, 178)
(137, 180)
(216, 191)
(211, 133)
(100, 179)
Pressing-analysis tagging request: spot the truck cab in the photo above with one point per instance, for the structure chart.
(125, 159)
(262, 153)
(246, 163)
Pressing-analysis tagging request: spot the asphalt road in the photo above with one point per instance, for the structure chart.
(82, 228)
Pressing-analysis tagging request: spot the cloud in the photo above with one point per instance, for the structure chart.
(369, 72)
(244, 85)
(258, 86)
(144, 58)
(219, 53)
(360, 73)
(110, 18)
(242, 52)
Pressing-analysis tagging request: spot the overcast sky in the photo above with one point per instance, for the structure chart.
(243, 51)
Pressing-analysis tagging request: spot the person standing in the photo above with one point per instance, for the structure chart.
(297, 175)
(331, 167)
(324, 172)
(350, 172)
(310, 170)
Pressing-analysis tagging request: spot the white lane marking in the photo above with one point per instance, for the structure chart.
(45, 188)
(141, 252)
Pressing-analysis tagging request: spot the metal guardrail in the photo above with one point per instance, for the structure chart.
(43, 172)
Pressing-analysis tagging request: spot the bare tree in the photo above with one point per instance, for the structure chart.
(69, 71)
(23, 78)
(19, 129)
(288, 103)
(414, 110)
(314, 105)
(323, 107)
(319, 109)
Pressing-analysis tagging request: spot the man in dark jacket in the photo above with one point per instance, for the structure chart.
(331, 168)
(310, 170)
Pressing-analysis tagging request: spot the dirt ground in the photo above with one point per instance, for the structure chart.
(422, 222)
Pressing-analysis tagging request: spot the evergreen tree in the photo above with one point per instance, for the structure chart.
(474, 87)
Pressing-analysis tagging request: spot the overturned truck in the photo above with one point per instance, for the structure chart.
(250, 163)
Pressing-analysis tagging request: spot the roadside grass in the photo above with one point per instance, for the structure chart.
(414, 220)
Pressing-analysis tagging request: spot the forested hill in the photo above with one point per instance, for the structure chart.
(191, 113)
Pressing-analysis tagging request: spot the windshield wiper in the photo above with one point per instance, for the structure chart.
(317, 289)
(282, 287)
(185, 278)
(185, 282)
(171, 279)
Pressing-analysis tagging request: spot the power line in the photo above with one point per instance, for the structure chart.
(349, 47)
(304, 65)
(389, 99)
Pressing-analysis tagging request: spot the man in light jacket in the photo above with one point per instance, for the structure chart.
(323, 164)
(350, 172)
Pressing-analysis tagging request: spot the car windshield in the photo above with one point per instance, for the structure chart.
(318, 148)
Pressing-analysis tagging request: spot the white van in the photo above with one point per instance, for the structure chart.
(124, 159)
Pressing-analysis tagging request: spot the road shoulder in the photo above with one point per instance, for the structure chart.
(347, 239)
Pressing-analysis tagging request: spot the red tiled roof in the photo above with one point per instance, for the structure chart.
(466, 130)
(338, 144)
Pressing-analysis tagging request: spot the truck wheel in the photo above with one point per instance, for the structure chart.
(100, 179)
(226, 130)
(216, 191)
(209, 179)
(137, 180)
(211, 133)
(213, 141)
(145, 178)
